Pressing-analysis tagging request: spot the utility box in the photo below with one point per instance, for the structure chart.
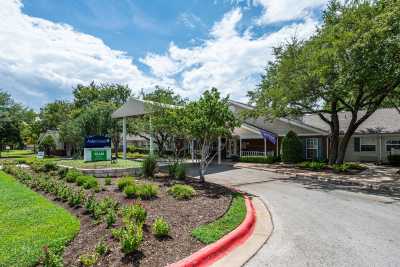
(97, 148)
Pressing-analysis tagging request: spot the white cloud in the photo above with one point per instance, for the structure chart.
(284, 10)
(42, 58)
(230, 61)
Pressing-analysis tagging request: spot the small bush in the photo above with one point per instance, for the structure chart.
(71, 176)
(88, 259)
(160, 227)
(62, 172)
(180, 172)
(346, 167)
(135, 213)
(313, 165)
(292, 148)
(116, 233)
(180, 191)
(149, 166)
(111, 218)
(259, 159)
(146, 191)
(130, 191)
(394, 160)
(81, 180)
(91, 182)
(172, 170)
(102, 248)
(52, 257)
(124, 182)
(49, 166)
(107, 181)
(131, 237)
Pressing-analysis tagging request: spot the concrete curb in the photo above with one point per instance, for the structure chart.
(211, 253)
(262, 232)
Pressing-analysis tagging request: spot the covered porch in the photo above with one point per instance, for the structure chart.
(248, 140)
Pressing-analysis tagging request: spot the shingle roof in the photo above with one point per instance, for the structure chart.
(385, 120)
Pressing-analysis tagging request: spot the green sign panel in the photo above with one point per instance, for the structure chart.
(99, 155)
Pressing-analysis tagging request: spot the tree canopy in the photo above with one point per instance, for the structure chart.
(350, 64)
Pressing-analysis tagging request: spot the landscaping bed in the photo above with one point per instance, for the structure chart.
(209, 203)
(81, 164)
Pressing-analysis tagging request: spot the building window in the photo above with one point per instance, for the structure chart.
(312, 148)
(364, 144)
(392, 144)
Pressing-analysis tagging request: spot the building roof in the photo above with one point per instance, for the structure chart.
(385, 120)
(137, 107)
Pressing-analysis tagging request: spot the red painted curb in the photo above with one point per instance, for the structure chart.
(213, 252)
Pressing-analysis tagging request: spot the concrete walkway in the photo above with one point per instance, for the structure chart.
(318, 224)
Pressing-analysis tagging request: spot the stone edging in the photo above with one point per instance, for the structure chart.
(211, 253)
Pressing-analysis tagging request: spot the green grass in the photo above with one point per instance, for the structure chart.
(100, 164)
(17, 154)
(209, 233)
(28, 221)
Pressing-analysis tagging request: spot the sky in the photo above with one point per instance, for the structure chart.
(49, 46)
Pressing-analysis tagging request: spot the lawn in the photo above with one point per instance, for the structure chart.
(28, 221)
(100, 164)
(17, 154)
(209, 233)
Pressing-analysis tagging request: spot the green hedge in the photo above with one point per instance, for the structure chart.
(292, 148)
(260, 159)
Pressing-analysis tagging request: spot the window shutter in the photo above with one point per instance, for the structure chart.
(357, 144)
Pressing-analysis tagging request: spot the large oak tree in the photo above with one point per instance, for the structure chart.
(351, 64)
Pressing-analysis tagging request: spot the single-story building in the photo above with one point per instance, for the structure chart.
(376, 138)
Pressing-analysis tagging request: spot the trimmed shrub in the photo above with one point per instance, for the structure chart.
(111, 218)
(346, 167)
(88, 260)
(180, 172)
(160, 227)
(172, 169)
(62, 172)
(146, 191)
(102, 248)
(149, 166)
(72, 174)
(394, 160)
(259, 159)
(81, 180)
(313, 165)
(180, 191)
(130, 191)
(107, 181)
(292, 148)
(135, 213)
(91, 182)
(131, 236)
(124, 182)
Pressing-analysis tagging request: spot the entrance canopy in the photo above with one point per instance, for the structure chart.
(136, 107)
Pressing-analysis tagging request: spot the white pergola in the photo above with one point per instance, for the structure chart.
(135, 108)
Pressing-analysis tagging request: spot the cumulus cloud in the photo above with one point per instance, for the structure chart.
(40, 58)
(284, 10)
(229, 60)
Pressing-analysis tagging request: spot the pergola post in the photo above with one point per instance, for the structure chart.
(151, 139)
(265, 147)
(219, 150)
(123, 138)
(240, 146)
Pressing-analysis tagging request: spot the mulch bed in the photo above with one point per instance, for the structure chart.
(210, 203)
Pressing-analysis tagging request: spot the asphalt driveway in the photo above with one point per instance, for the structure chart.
(320, 225)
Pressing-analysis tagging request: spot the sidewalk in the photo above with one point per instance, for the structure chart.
(383, 179)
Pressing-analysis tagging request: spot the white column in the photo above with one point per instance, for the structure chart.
(265, 147)
(277, 146)
(192, 150)
(219, 150)
(380, 147)
(151, 139)
(124, 137)
(240, 146)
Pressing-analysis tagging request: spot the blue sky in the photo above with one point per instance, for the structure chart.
(189, 45)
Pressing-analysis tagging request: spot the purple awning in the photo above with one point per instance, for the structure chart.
(269, 136)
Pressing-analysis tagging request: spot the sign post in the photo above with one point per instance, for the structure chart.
(97, 148)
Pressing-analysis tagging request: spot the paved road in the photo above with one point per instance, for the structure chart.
(321, 226)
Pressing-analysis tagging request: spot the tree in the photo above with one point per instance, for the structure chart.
(292, 148)
(53, 114)
(205, 120)
(9, 124)
(47, 144)
(350, 64)
(160, 119)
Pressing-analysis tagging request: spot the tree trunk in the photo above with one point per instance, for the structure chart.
(334, 138)
(116, 144)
